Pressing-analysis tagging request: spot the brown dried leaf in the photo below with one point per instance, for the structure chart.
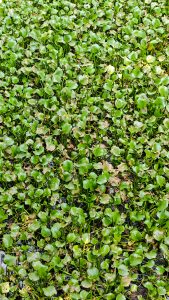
(50, 147)
(114, 180)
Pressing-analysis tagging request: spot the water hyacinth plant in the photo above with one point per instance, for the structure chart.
(84, 157)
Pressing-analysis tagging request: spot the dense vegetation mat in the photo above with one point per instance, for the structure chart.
(84, 152)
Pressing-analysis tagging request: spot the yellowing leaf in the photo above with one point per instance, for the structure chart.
(5, 287)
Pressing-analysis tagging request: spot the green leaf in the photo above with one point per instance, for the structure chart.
(110, 277)
(135, 259)
(160, 180)
(86, 284)
(49, 291)
(163, 90)
(158, 234)
(22, 273)
(105, 264)
(34, 226)
(88, 184)
(33, 276)
(104, 250)
(161, 291)
(123, 270)
(120, 103)
(76, 211)
(57, 75)
(71, 237)
(135, 235)
(7, 241)
(8, 141)
(77, 251)
(10, 260)
(68, 165)
(166, 123)
(142, 102)
(54, 184)
(120, 297)
(108, 85)
(84, 295)
(2, 74)
(21, 176)
(43, 216)
(116, 151)
(98, 151)
(45, 232)
(103, 178)
(40, 268)
(83, 79)
(152, 254)
(71, 84)
(86, 238)
(66, 128)
(93, 273)
(3, 216)
(56, 230)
